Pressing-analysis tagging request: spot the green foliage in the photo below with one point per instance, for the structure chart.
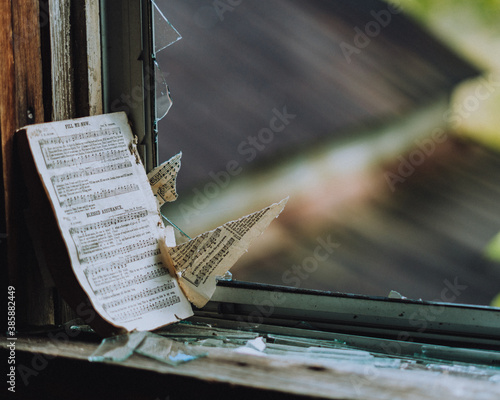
(492, 250)
(472, 29)
(489, 10)
(496, 301)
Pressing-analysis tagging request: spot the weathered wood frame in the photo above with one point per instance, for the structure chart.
(65, 59)
(128, 69)
(51, 70)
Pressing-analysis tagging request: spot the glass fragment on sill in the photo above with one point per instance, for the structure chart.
(253, 347)
(436, 352)
(167, 350)
(117, 348)
(340, 354)
(323, 353)
(396, 295)
(163, 98)
(304, 325)
(304, 342)
(164, 33)
(77, 326)
(227, 277)
(471, 371)
(213, 343)
(221, 343)
(394, 363)
(462, 369)
(183, 330)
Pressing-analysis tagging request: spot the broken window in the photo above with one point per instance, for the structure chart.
(278, 99)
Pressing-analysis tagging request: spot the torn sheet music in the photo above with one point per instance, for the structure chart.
(107, 210)
(108, 218)
(197, 262)
(163, 179)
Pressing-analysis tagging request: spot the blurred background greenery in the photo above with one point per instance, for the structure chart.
(472, 29)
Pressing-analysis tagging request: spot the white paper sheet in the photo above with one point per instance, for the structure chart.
(108, 217)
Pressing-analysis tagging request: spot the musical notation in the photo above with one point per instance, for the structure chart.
(89, 172)
(141, 295)
(239, 229)
(99, 195)
(142, 256)
(83, 147)
(208, 264)
(191, 250)
(145, 307)
(168, 171)
(165, 192)
(118, 219)
(79, 159)
(120, 285)
(80, 136)
(121, 250)
(105, 269)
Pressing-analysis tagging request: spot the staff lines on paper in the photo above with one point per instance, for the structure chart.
(115, 220)
(99, 195)
(159, 271)
(146, 306)
(135, 297)
(121, 250)
(90, 171)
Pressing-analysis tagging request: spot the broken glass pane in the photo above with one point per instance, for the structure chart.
(163, 99)
(117, 348)
(227, 277)
(166, 350)
(164, 33)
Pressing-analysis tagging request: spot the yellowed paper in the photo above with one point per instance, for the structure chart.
(197, 262)
(163, 180)
(108, 218)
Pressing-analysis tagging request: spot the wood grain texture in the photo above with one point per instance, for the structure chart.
(27, 18)
(7, 123)
(62, 64)
(273, 375)
(21, 104)
(29, 83)
(94, 69)
(85, 43)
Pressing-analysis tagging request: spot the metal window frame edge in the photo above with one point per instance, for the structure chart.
(128, 72)
(255, 305)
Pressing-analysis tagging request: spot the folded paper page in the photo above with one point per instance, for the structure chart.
(197, 262)
(108, 218)
(163, 179)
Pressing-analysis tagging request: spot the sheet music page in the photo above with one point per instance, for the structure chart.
(163, 180)
(109, 219)
(199, 261)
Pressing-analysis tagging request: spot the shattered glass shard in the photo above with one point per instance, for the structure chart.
(164, 33)
(166, 350)
(163, 99)
(117, 348)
